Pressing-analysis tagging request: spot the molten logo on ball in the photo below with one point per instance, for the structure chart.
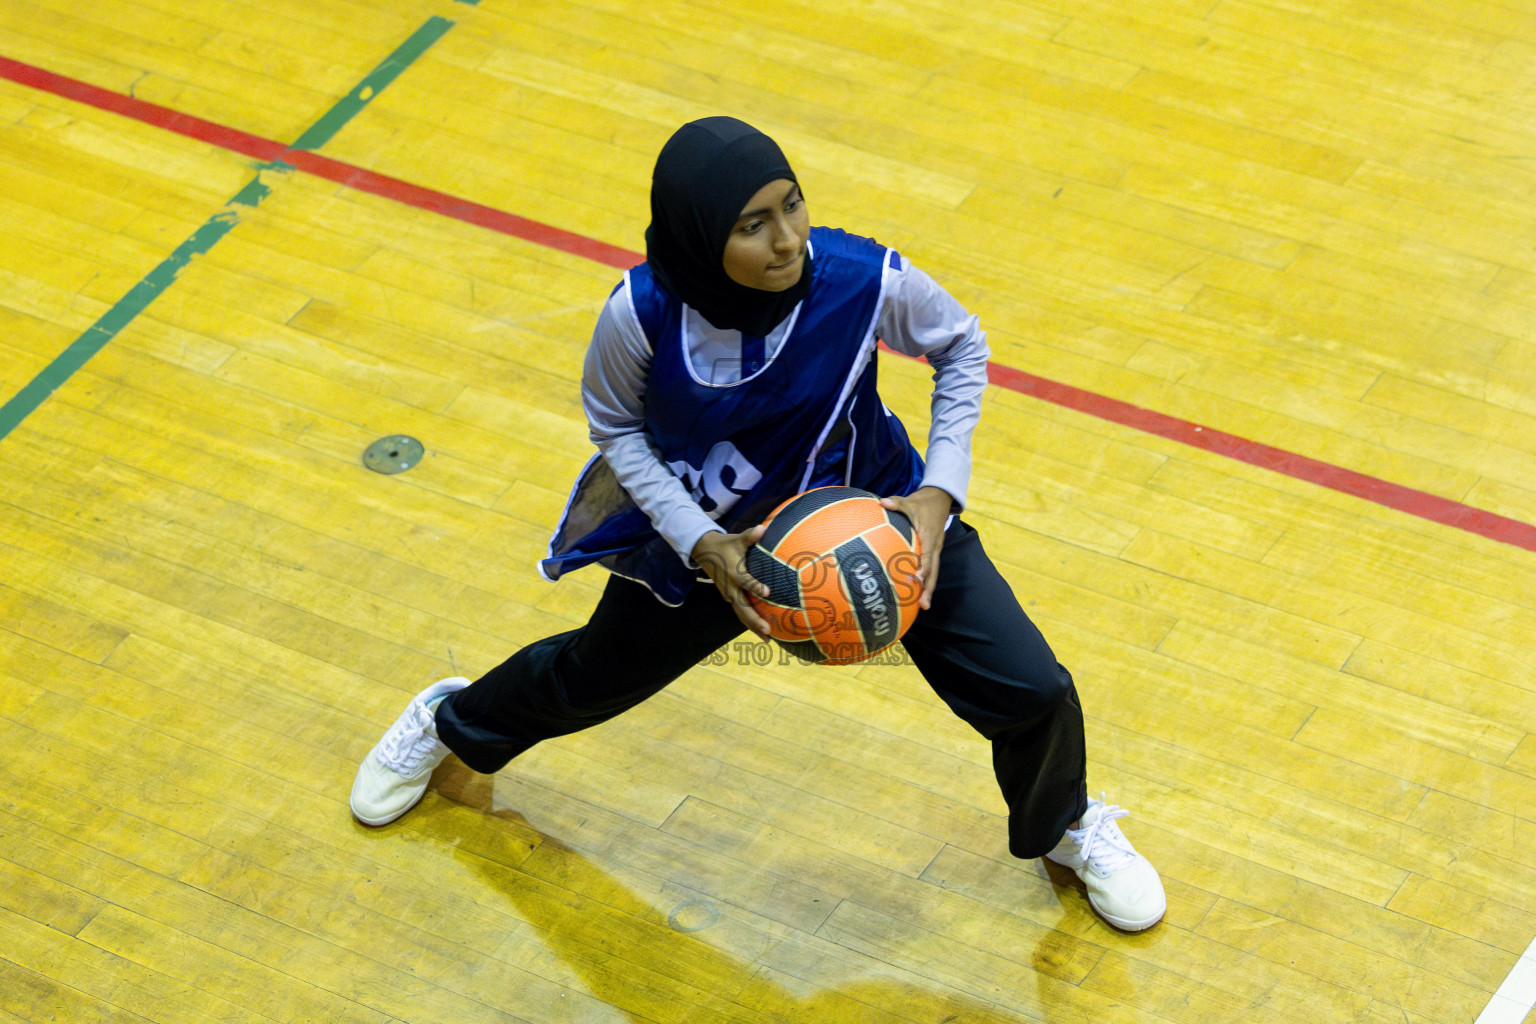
(841, 573)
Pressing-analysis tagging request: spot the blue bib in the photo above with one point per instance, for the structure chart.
(808, 416)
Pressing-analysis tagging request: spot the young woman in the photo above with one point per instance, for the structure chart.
(733, 369)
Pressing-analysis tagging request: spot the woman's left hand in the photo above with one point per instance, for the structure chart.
(928, 508)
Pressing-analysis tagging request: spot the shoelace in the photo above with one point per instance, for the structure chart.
(408, 742)
(1103, 842)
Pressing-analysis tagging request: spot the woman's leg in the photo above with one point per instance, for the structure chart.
(980, 652)
(630, 649)
(985, 658)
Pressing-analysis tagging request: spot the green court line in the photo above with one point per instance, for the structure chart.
(321, 131)
(128, 307)
(139, 297)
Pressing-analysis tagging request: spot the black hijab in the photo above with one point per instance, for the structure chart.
(705, 174)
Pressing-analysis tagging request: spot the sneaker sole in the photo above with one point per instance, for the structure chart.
(376, 822)
(380, 822)
(1129, 926)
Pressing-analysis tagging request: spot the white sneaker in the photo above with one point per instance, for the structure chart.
(1123, 886)
(394, 775)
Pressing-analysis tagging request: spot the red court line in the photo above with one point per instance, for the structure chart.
(1372, 489)
(1382, 492)
(461, 209)
(139, 110)
(313, 163)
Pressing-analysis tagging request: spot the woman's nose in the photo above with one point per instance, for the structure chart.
(784, 237)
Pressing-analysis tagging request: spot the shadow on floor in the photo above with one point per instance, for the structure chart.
(660, 967)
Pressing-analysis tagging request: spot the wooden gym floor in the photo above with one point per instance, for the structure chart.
(1307, 224)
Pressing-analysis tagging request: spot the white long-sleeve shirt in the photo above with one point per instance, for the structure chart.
(917, 318)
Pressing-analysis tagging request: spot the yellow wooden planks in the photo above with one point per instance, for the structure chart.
(1306, 223)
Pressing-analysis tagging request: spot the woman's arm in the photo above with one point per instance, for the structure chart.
(920, 318)
(613, 385)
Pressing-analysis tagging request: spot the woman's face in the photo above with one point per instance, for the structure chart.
(766, 249)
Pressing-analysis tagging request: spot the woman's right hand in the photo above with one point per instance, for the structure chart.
(724, 557)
